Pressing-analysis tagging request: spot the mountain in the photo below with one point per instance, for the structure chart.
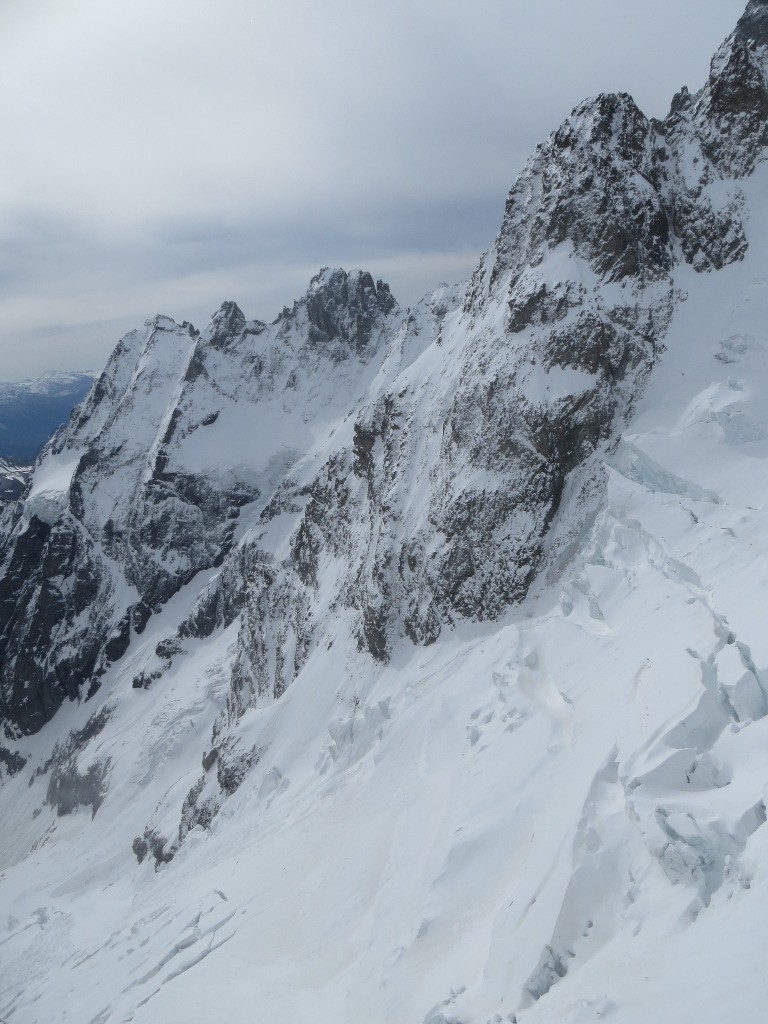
(32, 410)
(409, 665)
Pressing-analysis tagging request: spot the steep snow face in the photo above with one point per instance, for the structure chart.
(426, 670)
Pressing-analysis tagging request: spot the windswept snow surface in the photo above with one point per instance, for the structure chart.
(50, 486)
(559, 817)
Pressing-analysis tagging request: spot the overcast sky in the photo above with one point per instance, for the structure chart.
(166, 155)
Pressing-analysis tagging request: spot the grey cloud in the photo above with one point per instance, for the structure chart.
(164, 157)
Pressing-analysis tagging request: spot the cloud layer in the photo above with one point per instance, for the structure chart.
(165, 157)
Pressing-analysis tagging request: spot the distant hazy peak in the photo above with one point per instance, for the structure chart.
(52, 382)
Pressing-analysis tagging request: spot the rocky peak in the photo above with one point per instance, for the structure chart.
(595, 186)
(161, 324)
(345, 306)
(227, 323)
(681, 101)
(611, 123)
(753, 24)
(730, 116)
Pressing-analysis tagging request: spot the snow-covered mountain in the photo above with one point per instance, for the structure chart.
(32, 410)
(416, 661)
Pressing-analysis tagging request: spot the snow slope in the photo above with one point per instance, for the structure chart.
(554, 814)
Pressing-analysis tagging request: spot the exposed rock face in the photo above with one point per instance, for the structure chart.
(720, 134)
(345, 462)
(596, 184)
(54, 589)
(343, 310)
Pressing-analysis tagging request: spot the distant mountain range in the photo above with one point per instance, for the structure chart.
(32, 410)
